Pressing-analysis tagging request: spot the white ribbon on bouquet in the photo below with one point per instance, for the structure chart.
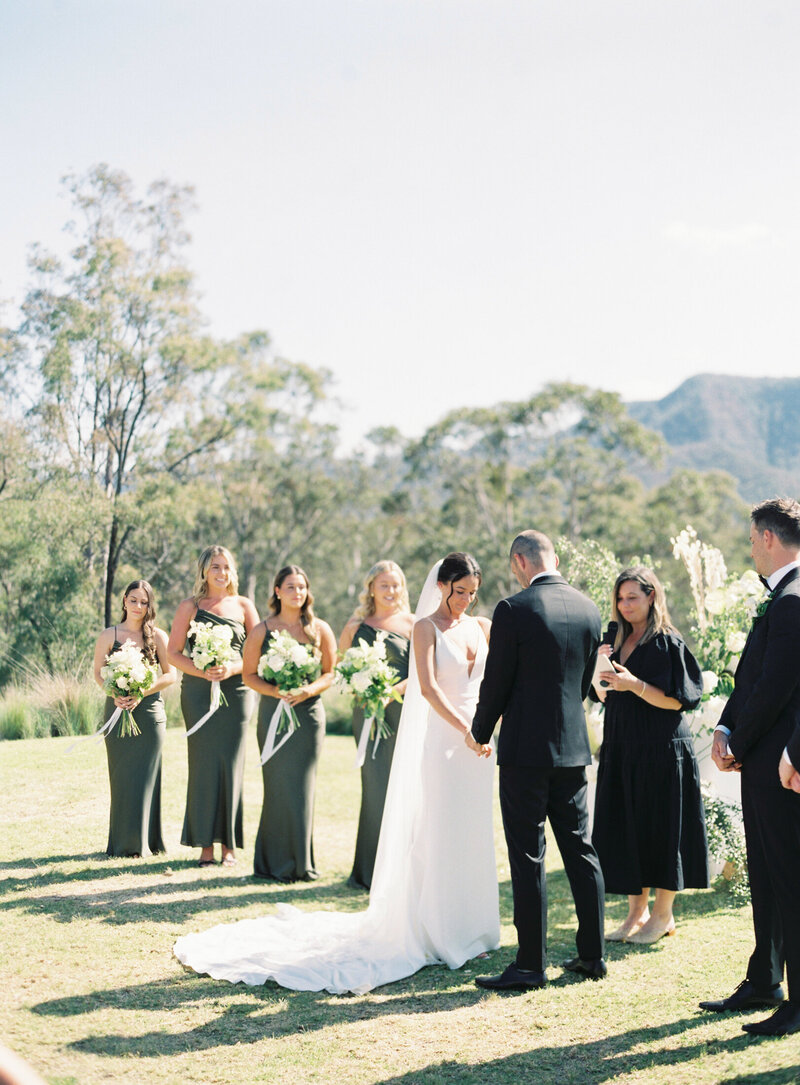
(270, 746)
(216, 696)
(101, 732)
(363, 742)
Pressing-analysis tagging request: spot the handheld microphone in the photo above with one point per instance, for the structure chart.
(609, 637)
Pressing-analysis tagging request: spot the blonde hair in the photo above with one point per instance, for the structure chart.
(658, 620)
(203, 564)
(366, 600)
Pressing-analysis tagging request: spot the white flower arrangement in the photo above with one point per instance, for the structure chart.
(364, 673)
(288, 665)
(127, 673)
(724, 607)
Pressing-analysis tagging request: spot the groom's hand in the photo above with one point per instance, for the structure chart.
(476, 747)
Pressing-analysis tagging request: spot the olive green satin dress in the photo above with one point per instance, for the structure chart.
(134, 774)
(375, 770)
(216, 752)
(284, 844)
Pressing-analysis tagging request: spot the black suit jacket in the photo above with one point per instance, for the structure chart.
(763, 712)
(539, 669)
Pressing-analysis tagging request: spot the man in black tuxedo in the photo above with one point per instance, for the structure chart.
(760, 720)
(541, 660)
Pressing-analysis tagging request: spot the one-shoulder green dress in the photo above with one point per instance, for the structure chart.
(284, 844)
(375, 770)
(134, 774)
(216, 752)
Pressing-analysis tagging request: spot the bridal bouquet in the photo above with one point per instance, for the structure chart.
(212, 648)
(126, 673)
(364, 673)
(288, 665)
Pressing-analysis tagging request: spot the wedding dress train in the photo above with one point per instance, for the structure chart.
(434, 894)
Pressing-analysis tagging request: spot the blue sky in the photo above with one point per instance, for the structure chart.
(445, 202)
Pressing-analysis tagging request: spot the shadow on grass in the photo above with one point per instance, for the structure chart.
(253, 1013)
(609, 1059)
(790, 1075)
(156, 897)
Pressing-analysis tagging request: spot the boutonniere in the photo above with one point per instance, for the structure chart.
(761, 609)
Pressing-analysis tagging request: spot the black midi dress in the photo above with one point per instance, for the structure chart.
(649, 825)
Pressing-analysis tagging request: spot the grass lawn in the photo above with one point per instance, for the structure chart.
(91, 992)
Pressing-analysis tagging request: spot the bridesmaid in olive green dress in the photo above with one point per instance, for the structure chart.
(284, 845)
(216, 750)
(134, 762)
(383, 605)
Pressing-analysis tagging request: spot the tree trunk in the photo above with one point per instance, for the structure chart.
(111, 568)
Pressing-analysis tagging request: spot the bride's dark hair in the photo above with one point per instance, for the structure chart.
(455, 567)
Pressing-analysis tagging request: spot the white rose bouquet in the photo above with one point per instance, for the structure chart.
(126, 673)
(288, 665)
(212, 648)
(364, 673)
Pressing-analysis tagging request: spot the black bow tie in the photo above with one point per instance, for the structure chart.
(764, 581)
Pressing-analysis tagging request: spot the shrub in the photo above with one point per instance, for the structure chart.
(17, 716)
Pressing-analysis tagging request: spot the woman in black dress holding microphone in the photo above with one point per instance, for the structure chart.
(649, 826)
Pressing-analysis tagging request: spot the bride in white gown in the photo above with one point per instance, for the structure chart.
(434, 895)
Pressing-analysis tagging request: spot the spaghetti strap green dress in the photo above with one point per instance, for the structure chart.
(284, 844)
(134, 775)
(377, 763)
(216, 752)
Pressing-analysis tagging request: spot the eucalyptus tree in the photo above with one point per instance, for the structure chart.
(127, 389)
(561, 460)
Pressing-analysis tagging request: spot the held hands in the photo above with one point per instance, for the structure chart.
(724, 761)
(481, 749)
(218, 673)
(295, 696)
(127, 703)
(790, 777)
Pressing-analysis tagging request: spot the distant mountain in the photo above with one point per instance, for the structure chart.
(748, 426)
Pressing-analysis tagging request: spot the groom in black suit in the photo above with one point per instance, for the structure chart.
(541, 660)
(759, 734)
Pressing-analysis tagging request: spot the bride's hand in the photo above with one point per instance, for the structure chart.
(481, 749)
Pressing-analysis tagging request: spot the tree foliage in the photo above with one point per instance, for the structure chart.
(131, 439)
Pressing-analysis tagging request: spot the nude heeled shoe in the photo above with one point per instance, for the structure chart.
(622, 933)
(640, 939)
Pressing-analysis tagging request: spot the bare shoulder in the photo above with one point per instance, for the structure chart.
(424, 632)
(106, 638)
(485, 625)
(160, 637)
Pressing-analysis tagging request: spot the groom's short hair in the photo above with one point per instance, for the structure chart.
(535, 546)
(781, 516)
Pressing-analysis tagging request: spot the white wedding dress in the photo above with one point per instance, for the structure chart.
(434, 895)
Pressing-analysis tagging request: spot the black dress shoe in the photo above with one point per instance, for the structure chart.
(593, 970)
(513, 979)
(746, 996)
(784, 1021)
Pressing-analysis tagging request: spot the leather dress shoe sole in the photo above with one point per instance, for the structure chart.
(783, 1022)
(746, 997)
(513, 979)
(590, 970)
